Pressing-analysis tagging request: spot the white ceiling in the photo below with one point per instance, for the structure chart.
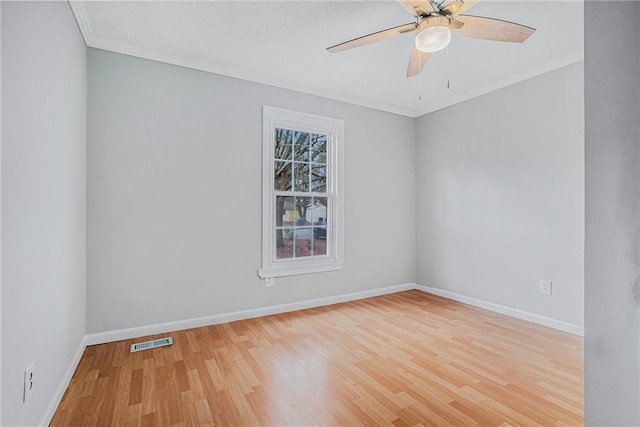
(282, 43)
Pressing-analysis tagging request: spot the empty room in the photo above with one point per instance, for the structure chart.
(298, 213)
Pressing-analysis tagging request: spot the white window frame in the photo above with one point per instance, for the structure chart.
(273, 118)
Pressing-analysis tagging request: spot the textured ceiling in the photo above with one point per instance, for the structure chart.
(282, 43)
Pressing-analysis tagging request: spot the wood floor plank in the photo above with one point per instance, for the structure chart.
(403, 359)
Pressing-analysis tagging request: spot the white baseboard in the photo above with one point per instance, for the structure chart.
(62, 387)
(161, 328)
(502, 309)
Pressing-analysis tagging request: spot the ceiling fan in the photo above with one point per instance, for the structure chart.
(434, 24)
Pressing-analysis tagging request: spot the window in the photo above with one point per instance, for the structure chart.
(301, 193)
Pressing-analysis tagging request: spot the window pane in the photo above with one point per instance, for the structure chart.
(283, 144)
(303, 241)
(282, 176)
(301, 142)
(316, 213)
(301, 176)
(285, 217)
(319, 148)
(318, 179)
(284, 243)
(302, 204)
(319, 240)
(286, 213)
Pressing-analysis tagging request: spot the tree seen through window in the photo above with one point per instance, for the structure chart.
(300, 184)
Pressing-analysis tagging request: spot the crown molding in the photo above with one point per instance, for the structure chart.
(244, 75)
(77, 7)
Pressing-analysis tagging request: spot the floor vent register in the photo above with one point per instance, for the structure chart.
(162, 342)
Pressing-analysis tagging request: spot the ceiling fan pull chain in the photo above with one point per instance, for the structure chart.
(448, 75)
(419, 78)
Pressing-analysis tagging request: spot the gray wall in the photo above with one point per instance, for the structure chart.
(1, 80)
(174, 195)
(612, 278)
(43, 201)
(500, 196)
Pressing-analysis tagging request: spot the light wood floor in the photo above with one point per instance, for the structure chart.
(403, 359)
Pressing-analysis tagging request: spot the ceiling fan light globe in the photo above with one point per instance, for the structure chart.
(433, 39)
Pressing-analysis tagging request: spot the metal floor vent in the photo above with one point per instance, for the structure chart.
(151, 344)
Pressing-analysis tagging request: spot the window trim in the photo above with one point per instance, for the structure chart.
(273, 117)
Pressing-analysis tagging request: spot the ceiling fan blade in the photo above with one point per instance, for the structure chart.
(374, 37)
(417, 62)
(455, 24)
(456, 7)
(479, 27)
(418, 7)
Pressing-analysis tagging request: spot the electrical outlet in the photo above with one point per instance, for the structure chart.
(29, 382)
(268, 282)
(545, 287)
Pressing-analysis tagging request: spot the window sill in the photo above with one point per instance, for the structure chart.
(296, 270)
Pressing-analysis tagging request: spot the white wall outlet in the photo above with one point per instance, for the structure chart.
(545, 287)
(29, 382)
(268, 282)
